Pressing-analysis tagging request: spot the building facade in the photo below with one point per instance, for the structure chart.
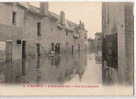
(42, 30)
(118, 39)
(91, 45)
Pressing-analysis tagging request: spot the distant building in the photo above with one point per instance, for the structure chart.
(98, 47)
(98, 41)
(118, 39)
(20, 21)
(91, 45)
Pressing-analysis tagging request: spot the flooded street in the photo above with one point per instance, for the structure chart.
(67, 68)
(49, 48)
(80, 67)
(92, 74)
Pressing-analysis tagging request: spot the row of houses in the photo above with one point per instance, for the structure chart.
(40, 29)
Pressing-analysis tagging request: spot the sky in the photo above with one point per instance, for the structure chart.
(87, 12)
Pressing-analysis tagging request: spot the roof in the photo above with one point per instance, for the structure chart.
(31, 9)
(36, 10)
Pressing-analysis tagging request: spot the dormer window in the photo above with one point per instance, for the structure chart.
(14, 18)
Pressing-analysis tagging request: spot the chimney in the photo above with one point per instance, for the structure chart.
(44, 8)
(81, 24)
(62, 18)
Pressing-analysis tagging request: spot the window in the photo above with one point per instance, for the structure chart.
(14, 18)
(38, 29)
(18, 41)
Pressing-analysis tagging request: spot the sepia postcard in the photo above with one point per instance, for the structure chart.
(66, 48)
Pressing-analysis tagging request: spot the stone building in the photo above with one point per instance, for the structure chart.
(91, 45)
(118, 40)
(40, 28)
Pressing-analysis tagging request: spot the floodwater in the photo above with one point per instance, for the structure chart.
(82, 67)
(60, 69)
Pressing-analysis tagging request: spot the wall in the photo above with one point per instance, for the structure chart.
(51, 34)
(129, 29)
(30, 32)
(10, 32)
(114, 22)
(118, 18)
(6, 18)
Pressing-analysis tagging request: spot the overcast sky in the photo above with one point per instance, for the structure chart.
(88, 12)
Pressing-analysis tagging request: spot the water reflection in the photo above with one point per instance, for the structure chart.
(109, 76)
(112, 75)
(83, 67)
(55, 61)
(57, 69)
(12, 72)
(98, 57)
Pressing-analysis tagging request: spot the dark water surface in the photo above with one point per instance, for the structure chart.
(84, 67)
